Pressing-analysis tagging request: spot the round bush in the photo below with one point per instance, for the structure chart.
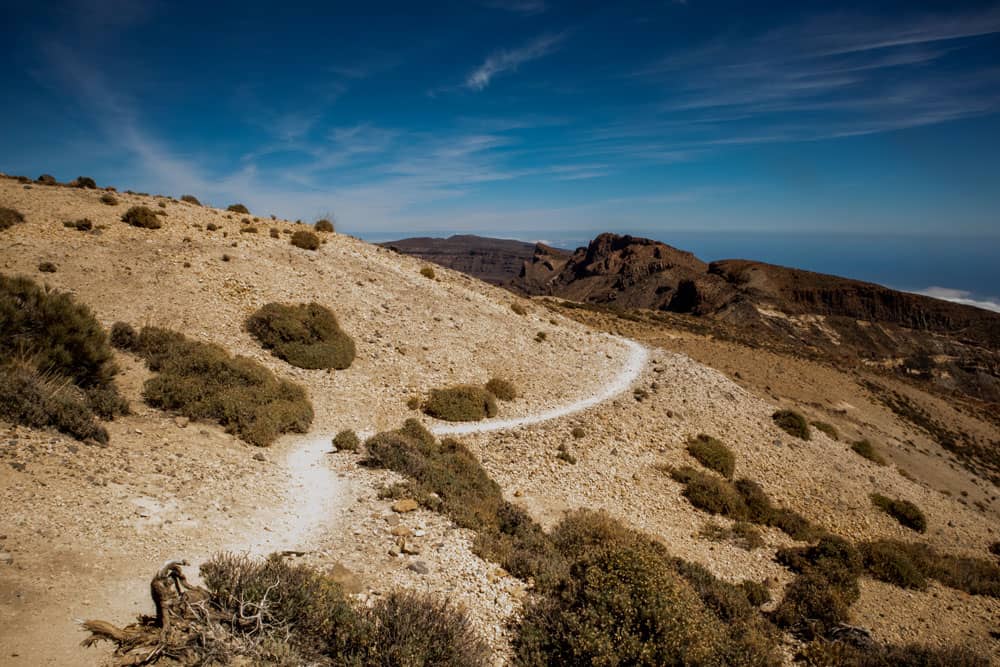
(461, 403)
(238, 208)
(304, 335)
(191, 199)
(323, 225)
(9, 217)
(85, 182)
(123, 336)
(142, 216)
(502, 389)
(346, 440)
(712, 454)
(792, 423)
(109, 199)
(47, 179)
(427, 272)
(305, 240)
(903, 511)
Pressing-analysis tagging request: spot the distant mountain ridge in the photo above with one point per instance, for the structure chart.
(491, 260)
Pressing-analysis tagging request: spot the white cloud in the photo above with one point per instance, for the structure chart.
(960, 296)
(506, 61)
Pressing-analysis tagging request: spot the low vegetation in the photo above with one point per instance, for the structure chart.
(84, 182)
(238, 208)
(47, 179)
(461, 403)
(304, 335)
(203, 381)
(911, 564)
(9, 217)
(518, 309)
(903, 511)
(142, 216)
(211, 227)
(57, 367)
(822, 653)
(427, 272)
(346, 441)
(190, 199)
(504, 390)
(712, 454)
(109, 199)
(792, 423)
(578, 432)
(81, 225)
(829, 429)
(323, 225)
(819, 598)
(866, 449)
(305, 240)
(742, 533)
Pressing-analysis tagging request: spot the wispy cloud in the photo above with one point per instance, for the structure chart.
(961, 296)
(504, 61)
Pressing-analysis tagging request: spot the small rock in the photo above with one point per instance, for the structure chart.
(405, 505)
(518, 493)
(181, 421)
(401, 531)
(6, 558)
(259, 457)
(408, 548)
(392, 520)
(419, 567)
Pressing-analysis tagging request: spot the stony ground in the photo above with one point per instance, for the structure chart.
(83, 528)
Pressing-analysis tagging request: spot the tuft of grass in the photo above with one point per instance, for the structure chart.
(238, 208)
(323, 225)
(504, 390)
(712, 454)
(427, 272)
(464, 402)
(792, 423)
(203, 381)
(142, 216)
(563, 454)
(9, 217)
(518, 309)
(867, 449)
(827, 428)
(346, 440)
(109, 199)
(903, 511)
(191, 199)
(305, 240)
(304, 335)
(38, 400)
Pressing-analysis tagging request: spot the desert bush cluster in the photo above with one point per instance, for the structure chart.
(305, 240)
(57, 369)
(427, 272)
(142, 216)
(911, 564)
(829, 429)
(464, 402)
(792, 423)
(203, 381)
(903, 511)
(304, 335)
(9, 217)
(712, 454)
(323, 225)
(238, 208)
(866, 449)
(190, 199)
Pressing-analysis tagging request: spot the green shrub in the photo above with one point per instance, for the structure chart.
(191, 199)
(9, 217)
(427, 272)
(305, 240)
(829, 429)
(836, 558)
(502, 389)
(903, 511)
(347, 441)
(866, 449)
(202, 381)
(46, 267)
(142, 216)
(792, 423)
(464, 402)
(304, 335)
(710, 493)
(84, 182)
(518, 309)
(81, 225)
(887, 561)
(238, 208)
(109, 199)
(323, 225)
(712, 454)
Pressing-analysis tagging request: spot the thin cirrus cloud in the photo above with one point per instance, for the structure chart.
(501, 62)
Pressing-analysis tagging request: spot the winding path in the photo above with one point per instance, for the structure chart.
(316, 491)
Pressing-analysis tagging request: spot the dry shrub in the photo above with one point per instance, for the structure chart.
(427, 272)
(248, 230)
(238, 208)
(829, 429)
(37, 400)
(820, 597)
(464, 402)
(84, 182)
(323, 225)
(275, 233)
(203, 381)
(908, 564)
(518, 309)
(712, 454)
(822, 653)
(502, 389)
(190, 199)
(742, 533)
(81, 225)
(889, 561)
(304, 335)
(346, 441)
(9, 217)
(46, 267)
(211, 226)
(711, 493)
(578, 432)
(792, 423)
(903, 511)
(47, 179)
(305, 240)
(109, 199)
(866, 449)
(142, 216)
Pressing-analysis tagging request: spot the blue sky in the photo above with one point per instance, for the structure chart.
(535, 119)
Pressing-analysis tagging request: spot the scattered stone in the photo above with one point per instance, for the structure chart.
(404, 505)
(392, 520)
(182, 421)
(401, 531)
(349, 581)
(259, 457)
(419, 567)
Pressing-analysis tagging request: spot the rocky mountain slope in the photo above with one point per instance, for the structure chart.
(490, 260)
(85, 525)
